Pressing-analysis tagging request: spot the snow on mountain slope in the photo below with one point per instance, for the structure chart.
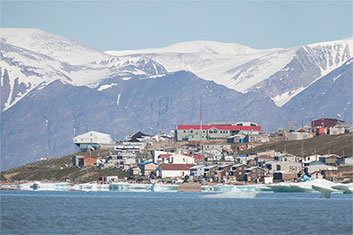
(279, 73)
(329, 96)
(194, 47)
(57, 47)
(32, 58)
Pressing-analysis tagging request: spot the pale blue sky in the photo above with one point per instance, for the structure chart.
(119, 25)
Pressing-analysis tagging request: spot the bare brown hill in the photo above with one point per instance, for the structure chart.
(337, 144)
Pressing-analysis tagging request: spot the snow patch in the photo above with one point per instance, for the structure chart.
(103, 87)
(118, 100)
(283, 98)
(335, 78)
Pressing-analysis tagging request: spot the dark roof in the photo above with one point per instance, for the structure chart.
(177, 167)
(133, 139)
(139, 135)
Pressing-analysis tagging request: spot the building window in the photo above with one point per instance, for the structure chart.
(278, 167)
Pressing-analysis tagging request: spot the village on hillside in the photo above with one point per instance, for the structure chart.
(216, 157)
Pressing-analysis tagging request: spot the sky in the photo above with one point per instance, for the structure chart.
(126, 25)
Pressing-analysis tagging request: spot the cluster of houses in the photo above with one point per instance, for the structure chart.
(208, 160)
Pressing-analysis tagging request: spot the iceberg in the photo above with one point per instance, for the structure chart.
(237, 192)
(241, 191)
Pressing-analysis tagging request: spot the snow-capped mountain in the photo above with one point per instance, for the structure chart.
(32, 58)
(279, 73)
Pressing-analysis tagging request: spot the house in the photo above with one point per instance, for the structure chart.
(229, 158)
(214, 131)
(336, 130)
(307, 160)
(108, 178)
(157, 153)
(83, 161)
(197, 171)
(236, 139)
(286, 157)
(296, 135)
(285, 175)
(261, 160)
(238, 171)
(262, 138)
(321, 126)
(270, 153)
(254, 173)
(213, 155)
(318, 166)
(330, 159)
(220, 147)
(273, 166)
(222, 171)
(266, 179)
(163, 158)
(138, 137)
(174, 170)
(288, 166)
(348, 161)
(198, 158)
(178, 158)
(209, 171)
(147, 168)
(316, 175)
(332, 175)
(241, 158)
(127, 149)
(92, 140)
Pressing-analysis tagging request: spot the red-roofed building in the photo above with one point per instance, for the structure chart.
(174, 170)
(322, 125)
(215, 131)
(197, 157)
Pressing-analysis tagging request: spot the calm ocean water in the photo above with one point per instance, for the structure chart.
(130, 212)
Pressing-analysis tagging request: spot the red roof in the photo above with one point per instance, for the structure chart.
(176, 167)
(164, 155)
(197, 157)
(264, 157)
(220, 127)
(333, 156)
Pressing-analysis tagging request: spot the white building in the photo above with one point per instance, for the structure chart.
(310, 159)
(336, 130)
(320, 167)
(93, 139)
(299, 135)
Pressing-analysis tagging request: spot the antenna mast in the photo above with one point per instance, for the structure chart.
(201, 148)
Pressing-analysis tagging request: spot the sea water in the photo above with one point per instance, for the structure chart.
(173, 212)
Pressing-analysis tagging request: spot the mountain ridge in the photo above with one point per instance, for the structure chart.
(45, 99)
